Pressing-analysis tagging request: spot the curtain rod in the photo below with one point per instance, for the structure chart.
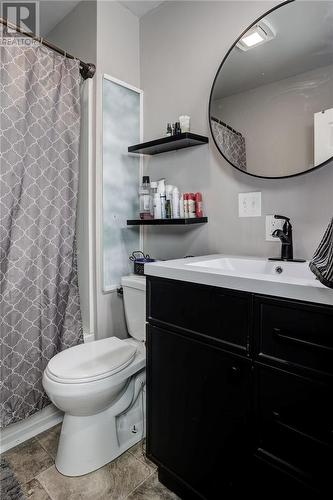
(225, 125)
(87, 70)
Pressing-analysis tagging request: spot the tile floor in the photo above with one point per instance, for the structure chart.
(131, 476)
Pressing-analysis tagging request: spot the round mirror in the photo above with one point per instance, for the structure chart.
(271, 105)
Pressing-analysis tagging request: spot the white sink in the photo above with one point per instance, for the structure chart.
(259, 268)
(292, 280)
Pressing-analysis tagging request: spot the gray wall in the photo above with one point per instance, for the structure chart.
(106, 33)
(182, 45)
(76, 33)
(118, 56)
(277, 120)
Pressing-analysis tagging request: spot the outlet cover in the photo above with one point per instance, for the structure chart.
(271, 225)
(249, 204)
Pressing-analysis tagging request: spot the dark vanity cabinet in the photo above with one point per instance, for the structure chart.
(239, 392)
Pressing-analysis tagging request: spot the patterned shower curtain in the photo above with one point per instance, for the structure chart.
(231, 143)
(39, 146)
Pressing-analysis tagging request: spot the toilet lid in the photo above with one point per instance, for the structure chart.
(91, 361)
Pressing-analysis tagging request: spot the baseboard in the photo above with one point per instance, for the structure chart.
(19, 432)
(88, 337)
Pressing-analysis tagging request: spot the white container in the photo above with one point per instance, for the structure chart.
(184, 121)
(153, 191)
(185, 205)
(144, 197)
(161, 192)
(181, 206)
(157, 206)
(175, 212)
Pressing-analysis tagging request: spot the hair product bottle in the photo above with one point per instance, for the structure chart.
(144, 198)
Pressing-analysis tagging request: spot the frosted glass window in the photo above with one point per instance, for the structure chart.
(121, 128)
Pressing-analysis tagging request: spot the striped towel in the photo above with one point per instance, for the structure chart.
(322, 261)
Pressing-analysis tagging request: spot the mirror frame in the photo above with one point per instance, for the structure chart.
(211, 95)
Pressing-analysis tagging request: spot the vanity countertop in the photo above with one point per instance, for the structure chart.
(292, 280)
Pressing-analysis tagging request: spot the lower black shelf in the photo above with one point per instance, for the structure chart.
(166, 222)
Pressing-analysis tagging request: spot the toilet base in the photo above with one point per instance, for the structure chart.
(87, 443)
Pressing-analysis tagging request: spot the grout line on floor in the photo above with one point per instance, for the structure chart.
(49, 454)
(143, 459)
(140, 484)
(42, 485)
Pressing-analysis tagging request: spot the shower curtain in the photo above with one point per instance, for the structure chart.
(232, 144)
(39, 146)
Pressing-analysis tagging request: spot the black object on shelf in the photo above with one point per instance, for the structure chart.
(165, 144)
(139, 260)
(163, 222)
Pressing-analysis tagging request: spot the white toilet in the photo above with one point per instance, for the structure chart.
(100, 386)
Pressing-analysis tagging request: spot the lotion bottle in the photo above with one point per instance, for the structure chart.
(191, 205)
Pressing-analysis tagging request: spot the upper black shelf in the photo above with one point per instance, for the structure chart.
(180, 141)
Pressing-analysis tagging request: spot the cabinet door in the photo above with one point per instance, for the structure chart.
(198, 411)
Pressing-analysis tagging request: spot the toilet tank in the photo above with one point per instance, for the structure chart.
(134, 288)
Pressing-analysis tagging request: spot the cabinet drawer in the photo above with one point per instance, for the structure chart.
(295, 332)
(220, 314)
(295, 421)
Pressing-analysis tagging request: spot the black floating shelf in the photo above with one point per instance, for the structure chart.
(164, 222)
(180, 141)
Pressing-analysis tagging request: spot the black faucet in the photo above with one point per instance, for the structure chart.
(286, 237)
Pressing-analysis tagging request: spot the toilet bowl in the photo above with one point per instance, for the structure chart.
(100, 387)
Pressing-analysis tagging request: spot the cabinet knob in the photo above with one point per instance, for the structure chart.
(235, 372)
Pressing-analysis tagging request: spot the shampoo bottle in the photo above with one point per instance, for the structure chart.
(161, 192)
(168, 201)
(175, 203)
(153, 192)
(144, 196)
(181, 206)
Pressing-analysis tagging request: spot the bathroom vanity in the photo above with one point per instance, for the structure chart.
(239, 377)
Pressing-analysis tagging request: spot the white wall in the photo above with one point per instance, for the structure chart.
(277, 120)
(182, 45)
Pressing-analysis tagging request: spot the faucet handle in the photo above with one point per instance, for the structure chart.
(287, 224)
(283, 217)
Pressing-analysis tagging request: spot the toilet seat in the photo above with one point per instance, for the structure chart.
(91, 361)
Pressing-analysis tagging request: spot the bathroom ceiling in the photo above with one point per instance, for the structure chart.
(140, 8)
(52, 12)
(304, 40)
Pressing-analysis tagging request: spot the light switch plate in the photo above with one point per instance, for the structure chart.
(271, 225)
(249, 204)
